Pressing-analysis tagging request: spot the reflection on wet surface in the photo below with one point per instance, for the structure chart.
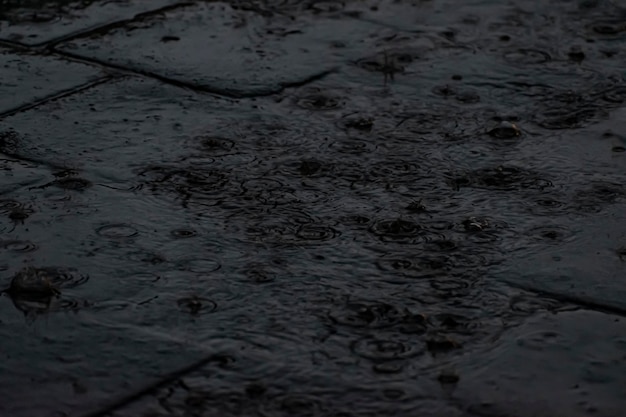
(312, 208)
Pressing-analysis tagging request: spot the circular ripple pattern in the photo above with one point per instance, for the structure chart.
(351, 219)
(7, 206)
(64, 277)
(551, 234)
(312, 232)
(117, 231)
(196, 305)
(201, 266)
(372, 315)
(396, 230)
(386, 350)
(19, 246)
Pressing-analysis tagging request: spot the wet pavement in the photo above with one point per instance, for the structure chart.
(278, 207)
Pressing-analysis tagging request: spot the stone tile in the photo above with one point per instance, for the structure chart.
(38, 23)
(27, 78)
(582, 259)
(567, 364)
(230, 51)
(69, 365)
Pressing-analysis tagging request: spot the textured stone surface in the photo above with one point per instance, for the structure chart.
(239, 52)
(424, 214)
(27, 78)
(552, 365)
(34, 22)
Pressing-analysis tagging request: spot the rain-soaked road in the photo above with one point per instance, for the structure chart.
(313, 208)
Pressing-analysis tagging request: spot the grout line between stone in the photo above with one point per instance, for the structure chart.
(56, 96)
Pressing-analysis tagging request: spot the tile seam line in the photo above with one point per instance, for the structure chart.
(161, 78)
(55, 96)
(95, 29)
(195, 87)
(141, 392)
(581, 302)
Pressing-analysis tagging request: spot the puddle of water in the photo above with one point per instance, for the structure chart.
(411, 216)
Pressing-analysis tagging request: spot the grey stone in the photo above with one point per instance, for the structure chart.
(33, 23)
(27, 78)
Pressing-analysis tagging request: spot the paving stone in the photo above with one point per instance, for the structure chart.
(69, 365)
(565, 364)
(584, 260)
(34, 22)
(27, 78)
(230, 51)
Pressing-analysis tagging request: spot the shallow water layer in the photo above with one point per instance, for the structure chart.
(315, 208)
